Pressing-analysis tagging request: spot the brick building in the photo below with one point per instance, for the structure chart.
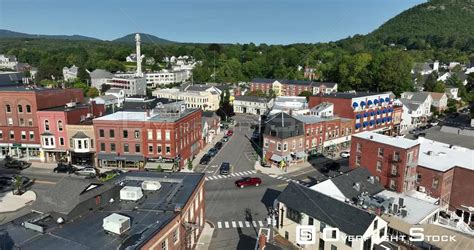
(19, 127)
(284, 87)
(292, 138)
(161, 137)
(371, 111)
(392, 161)
(171, 217)
(52, 124)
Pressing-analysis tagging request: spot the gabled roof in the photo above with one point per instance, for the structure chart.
(437, 96)
(198, 87)
(80, 135)
(113, 91)
(249, 98)
(409, 104)
(349, 219)
(345, 183)
(294, 82)
(283, 126)
(100, 73)
(420, 96)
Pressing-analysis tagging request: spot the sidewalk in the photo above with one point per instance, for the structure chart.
(204, 240)
(10, 202)
(277, 171)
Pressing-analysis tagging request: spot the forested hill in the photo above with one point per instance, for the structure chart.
(8, 34)
(436, 23)
(146, 38)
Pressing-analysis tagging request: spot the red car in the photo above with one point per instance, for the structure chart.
(248, 181)
(229, 133)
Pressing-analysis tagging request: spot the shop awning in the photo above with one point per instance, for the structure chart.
(276, 158)
(115, 157)
(168, 166)
(300, 154)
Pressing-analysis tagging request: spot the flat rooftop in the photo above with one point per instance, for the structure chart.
(442, 157)
(155, 116)
(351, 95)
(398, 142)
(148, 216)
(66, 108)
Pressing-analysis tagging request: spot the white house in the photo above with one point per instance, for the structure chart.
(452, 93)
(252, 105)
(164, 77)
(131, 58)
(99, 77)
(325, 109)
(119, 93)
(70, 74)
(414, 114)
(8, 61)
(333, 224)
(290, 104)
(440, 101)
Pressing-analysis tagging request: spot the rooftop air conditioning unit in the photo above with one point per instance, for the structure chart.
(151, 185)
(129, 193)
(116, 223)
(71, 104)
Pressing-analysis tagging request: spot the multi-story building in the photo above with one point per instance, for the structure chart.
(440, 101)
(164, 77)
(81, 141)
(8, 61)
(100, 77)
(290, 139)
(168, 137)
(19, 126)
(206, 100)
(290, 105)
(252, 105)
(136, 210)
(371, 111)
(131, 84)
(286, 87)
(392, 161)
(70, 74)
(210, 126)
(52, 128)
(333, 224)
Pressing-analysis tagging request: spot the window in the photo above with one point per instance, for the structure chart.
(176, 236)
(158, 149)
(435, 182)
(164, 244)
(112, 133)
(20, 109)
(358, 159)
(10, 121)
(380, 154)
(167, 135)
(359, 147)
(349, 242)
(137, 148)
(136, 134)
(28, 109)
(168, 149)
(150, 134)
(79, 144)
(375, 224)
(279, 146)
(377, 178)
(293, 215)
(101, 133)
(1, 134)
(394, 169)
(125, 133)
(22, 122)
(396, 156)
(285, 146)
(60, 125)
(23, 135)
(32, 135)
(150, 149)
(30, 122)
(392, 184)
(8, 108)
(382, 232)
(265, 143)
(112, 147)
(125, 148)
(379, 166)
(46, 125)
(12, 135)
(310, 221)
(92, 143)
(333, 247)
(85, 144)
(61, 141)
(102, 146)
(322, 225)
(158, 134)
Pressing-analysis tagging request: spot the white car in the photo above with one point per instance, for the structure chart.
(87, 172)
(345, 154)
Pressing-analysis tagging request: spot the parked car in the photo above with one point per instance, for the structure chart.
(88, 171)
(230, 133)
(65, 168)
(248, 181)
(17, 164)
(218, 145)
(420, 134)
(434, 123)
(224, 126)
(345, 154)
(205, 159)
(334, 166)
(225, 139)
(8, 182)
(225, 168)
(212, 152)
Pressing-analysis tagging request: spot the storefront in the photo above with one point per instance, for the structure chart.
(82, 158)
(54, 156)
(22, 151)
(121, 161)
(163, 164)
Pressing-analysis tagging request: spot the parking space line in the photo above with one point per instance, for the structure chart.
(219, 224)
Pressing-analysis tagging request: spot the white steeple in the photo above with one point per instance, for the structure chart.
(139, 56)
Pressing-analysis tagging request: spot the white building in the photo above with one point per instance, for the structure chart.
(416, 109)
(164, 77)
(205, 99)
(70, 74)
(333, 224)
(8, 62)
(291, 105)
(325, 109)
(131, 58)
(132, 85)
(99, 77)
(452, 93)
(252, 105)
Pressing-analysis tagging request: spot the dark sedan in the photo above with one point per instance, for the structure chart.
(65, 168)
(17, 164)
(205, 159)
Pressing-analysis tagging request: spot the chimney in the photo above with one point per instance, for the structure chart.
(371, 137)
(357, 186)
(371, 179)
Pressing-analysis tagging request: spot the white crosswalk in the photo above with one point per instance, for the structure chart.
(282, 178)
(238, 174)
(241, 224)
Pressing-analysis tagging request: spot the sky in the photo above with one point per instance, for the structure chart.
(206, 21)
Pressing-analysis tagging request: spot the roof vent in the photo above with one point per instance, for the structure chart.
(430, 152)
(151, 185)
(116, 223)
(441, 153)
(371, 179)
(371, 137)
(357, 186)
(130, 193)
(71, 104)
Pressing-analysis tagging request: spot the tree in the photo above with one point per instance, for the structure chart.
(431, 81)
(392, 72)
(104, 88)
(190, 164)
(306, 94)
(48, 83)
(439, 87)
(92, 92)
(18, 184)
(81, 85)
(83, 76)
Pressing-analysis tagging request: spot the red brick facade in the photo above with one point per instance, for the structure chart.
(434, 183)
(393, 167)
